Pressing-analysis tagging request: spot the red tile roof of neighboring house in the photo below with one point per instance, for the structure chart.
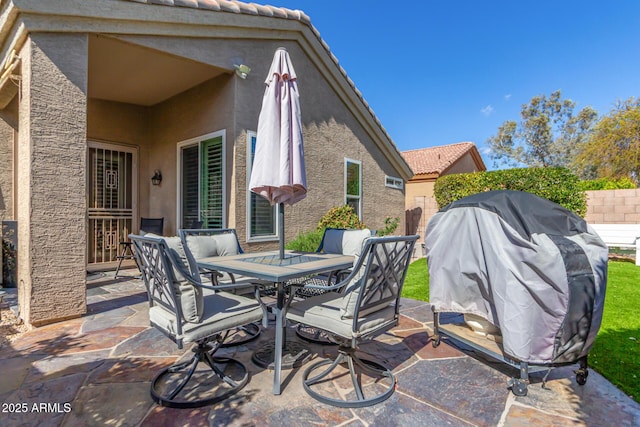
(436, 160)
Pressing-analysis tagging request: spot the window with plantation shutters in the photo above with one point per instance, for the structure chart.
(353, 185)
(190, 196)
(211, 178)
(261, 216)
(202, 178)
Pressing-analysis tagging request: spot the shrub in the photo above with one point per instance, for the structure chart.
(390, 225)
(556, 184)
(8, 272)
(306, 242)
(607, 184)
(340, 217)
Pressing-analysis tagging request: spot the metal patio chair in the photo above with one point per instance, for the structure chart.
(204, 243)
(342, 241)
(195, 225)
(147, 225)
(187, 311)
(366, 306)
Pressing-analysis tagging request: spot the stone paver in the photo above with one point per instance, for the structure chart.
(96, 371)
(520, 416)
(460, 386)
(402, 410)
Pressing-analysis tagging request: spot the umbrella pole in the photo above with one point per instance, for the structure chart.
(281, 227)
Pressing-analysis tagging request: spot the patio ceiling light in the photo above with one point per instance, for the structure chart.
(242, 70)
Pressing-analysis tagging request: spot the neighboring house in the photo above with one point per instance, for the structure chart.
(428, 164)
(98, 95)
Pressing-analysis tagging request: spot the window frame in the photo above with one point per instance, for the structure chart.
(396, 182)
(198, 141)
(249, 237)
(347, 196)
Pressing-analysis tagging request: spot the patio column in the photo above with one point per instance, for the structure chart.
(51, 205)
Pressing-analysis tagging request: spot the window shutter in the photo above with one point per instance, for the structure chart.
(212, 178)
(189, 184)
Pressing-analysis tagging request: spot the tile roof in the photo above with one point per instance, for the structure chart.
(234, 6)
(436, 160)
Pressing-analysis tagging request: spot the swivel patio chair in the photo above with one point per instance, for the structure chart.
(147, 225)
(204, 243)
(187, 311)
(334, 241)
(366, 306)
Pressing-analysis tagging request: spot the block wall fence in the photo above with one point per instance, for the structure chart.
(613, 206)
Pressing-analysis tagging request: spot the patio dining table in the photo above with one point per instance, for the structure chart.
(268, 266)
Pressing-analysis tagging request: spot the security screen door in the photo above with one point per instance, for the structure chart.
(202, 183)
(111, 199)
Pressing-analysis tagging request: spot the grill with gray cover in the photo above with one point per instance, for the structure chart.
(530, 267)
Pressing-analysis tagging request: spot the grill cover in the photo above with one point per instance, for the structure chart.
(532, 268)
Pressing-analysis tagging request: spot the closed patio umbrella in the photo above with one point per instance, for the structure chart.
(278, 172)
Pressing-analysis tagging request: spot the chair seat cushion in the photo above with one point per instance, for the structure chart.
(221, 311)
(323, 311)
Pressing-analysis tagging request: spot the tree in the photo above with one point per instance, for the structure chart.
(549, 133)
(613, 148)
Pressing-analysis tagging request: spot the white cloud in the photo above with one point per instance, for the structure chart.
(507, 97)
(487, 110)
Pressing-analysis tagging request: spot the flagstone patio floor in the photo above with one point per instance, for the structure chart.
(96, 371)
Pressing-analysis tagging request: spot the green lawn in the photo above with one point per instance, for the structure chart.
(416, 284)
(616, 352)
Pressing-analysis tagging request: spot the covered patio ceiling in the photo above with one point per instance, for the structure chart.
(123, 72)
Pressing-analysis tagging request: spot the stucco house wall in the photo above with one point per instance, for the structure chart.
(156, 130)
(198, 111)
(51, 208)
(45, 132)
(465, 164)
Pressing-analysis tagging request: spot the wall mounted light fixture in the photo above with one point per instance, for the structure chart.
(242, 70)
(156, 179)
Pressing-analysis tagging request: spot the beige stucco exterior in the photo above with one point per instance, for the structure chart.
(51, 157)
(68, 97)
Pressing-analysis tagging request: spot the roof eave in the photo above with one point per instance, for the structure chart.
(424, 177)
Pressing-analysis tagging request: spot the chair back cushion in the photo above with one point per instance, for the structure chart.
(203, 246)
(189, 296)
(345, 242)
(378, 275)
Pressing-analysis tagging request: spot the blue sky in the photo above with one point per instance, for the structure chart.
(438, 73)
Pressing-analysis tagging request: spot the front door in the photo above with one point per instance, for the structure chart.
(111, 199)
